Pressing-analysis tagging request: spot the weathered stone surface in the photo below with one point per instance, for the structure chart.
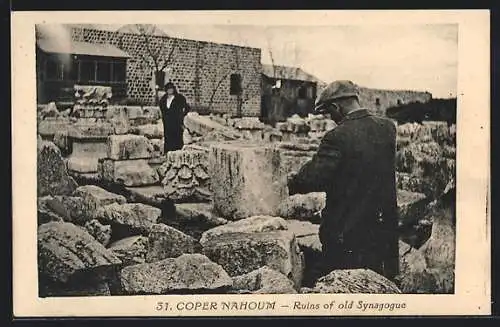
(201, 125)
(199, 214)
(62, 142)
(44, 212)
(411, 206)
(128, 172)
(263, 281)
(439, 250)
(355, 281)
(136, 217)
(98, 196)
(88, 199)
(65, 249)
(84, 130)
(47, 128)
(131, 250)
(85, 154)
(414, 276)
(168, 242)
(188, 273)
(240, 253)
(151, 131)
(125, 147)
(245, 180)
(151, 195)
(253, 224)
(303, 206)
(73, 209)
(52, 176)
(185, 176)
(102, 233)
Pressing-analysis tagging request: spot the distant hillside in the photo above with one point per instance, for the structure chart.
(434, 110)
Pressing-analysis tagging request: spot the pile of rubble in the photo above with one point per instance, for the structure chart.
(214, 217)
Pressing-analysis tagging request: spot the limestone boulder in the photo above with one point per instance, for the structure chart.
(186, 274)
(263, 281)
(152, 195)
(185, 176)
(97, 196)
(303, 206)
(151, 131)
(44, 212)
(102, 233)
(125, 147)
(134, 217)
(353, 281)
(52, 175)
(194, 218)
(73, 209)
(245, 180)
(65, 249)
(47, 128)
(128, 172)
(241, 253)
(168, 242)
(255, 224)
(131, 250)
(411, 206)
(414, 276)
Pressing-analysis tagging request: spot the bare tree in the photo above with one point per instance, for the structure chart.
(158, 55)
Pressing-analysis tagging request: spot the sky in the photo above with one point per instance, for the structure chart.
(414, 57)
(409, 57)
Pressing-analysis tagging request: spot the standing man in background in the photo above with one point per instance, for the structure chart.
(355, 166)
(173, 107)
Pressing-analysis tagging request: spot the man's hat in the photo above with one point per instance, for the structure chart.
(336, 90)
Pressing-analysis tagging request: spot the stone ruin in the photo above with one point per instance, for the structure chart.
(216, 217)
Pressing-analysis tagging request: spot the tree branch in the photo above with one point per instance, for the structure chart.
(170, 54)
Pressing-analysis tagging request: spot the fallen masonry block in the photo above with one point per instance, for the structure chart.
(194, 218)
(135, 217)
(87, 130)
(45, 214)
(354, 281)
(151, 131)
(128, 172)
(47, 128)
(263, 281)
(65, 249)
(245, 180)
(102, 233)
(131, 250)
(52, 175)
(303, 206)
(86, 153)
(414, 276)
(186, 274)
(125, 147)
(241, 253)
(202, 125)
(152, 195)
(254, 224)
(94, 198)
(185, 176)
(168, 242)
(411, 206)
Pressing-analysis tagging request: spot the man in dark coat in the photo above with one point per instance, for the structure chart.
(174, 107)
(355, 166)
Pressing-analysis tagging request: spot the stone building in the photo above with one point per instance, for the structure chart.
(214, 77)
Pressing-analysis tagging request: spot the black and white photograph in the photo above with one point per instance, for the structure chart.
(246, 159)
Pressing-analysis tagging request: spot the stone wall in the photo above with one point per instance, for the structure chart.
(389, 98)
(198, 68)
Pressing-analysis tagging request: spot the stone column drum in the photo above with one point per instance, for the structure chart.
(246, 180)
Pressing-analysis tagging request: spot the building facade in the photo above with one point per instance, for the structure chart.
(219, 78)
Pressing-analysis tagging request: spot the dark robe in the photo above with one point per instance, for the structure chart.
(173, 121)
(355, 166)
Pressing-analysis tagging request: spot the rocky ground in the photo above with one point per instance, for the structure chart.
(116, 217)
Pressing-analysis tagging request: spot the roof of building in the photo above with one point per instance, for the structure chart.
(285, 72)
(81, 48)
